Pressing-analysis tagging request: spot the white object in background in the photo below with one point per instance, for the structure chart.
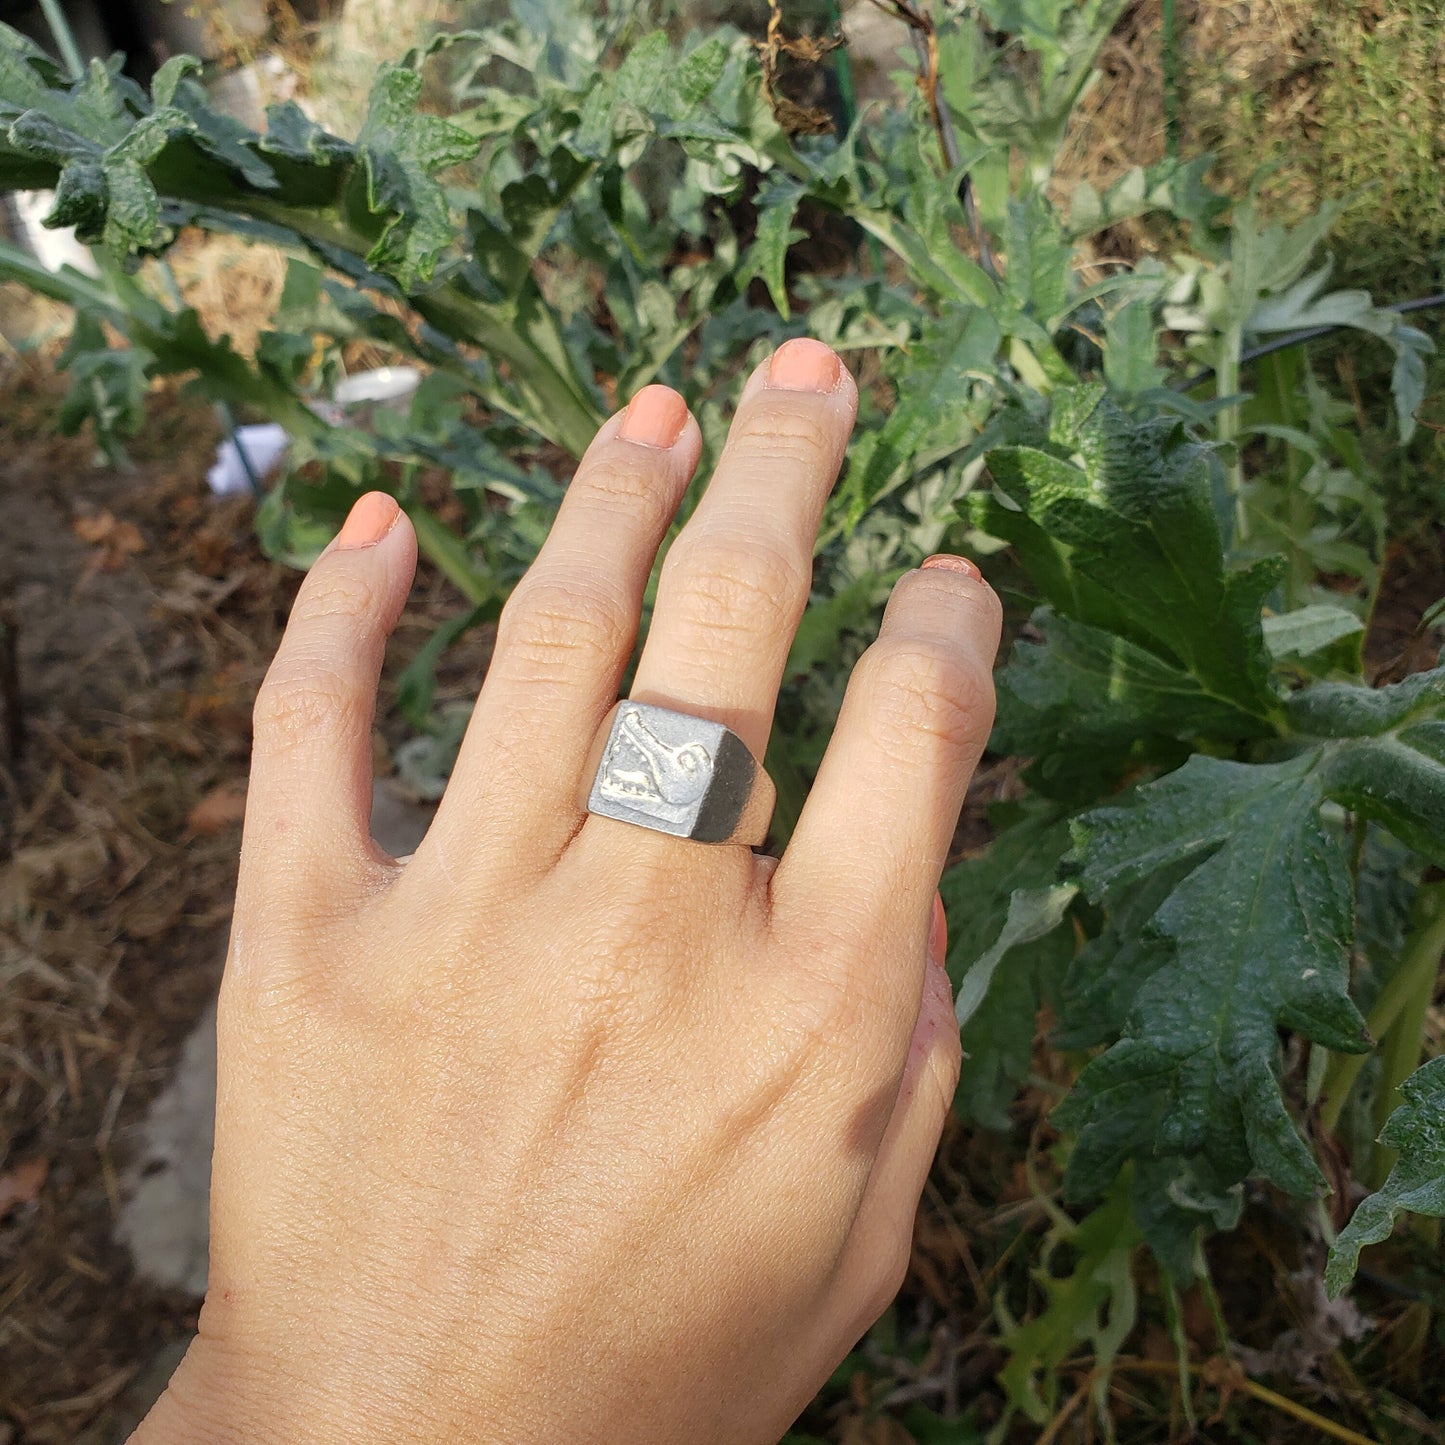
(52, 248)
(266, 446)
(388, 386)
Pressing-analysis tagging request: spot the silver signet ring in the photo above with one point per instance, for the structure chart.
(678, 774)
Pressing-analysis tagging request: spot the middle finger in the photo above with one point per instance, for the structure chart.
(736, 580)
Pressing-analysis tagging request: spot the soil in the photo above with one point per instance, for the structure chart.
(137, 651)
(144, 616)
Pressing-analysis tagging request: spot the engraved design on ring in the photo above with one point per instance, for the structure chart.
(640, 768)
(678, 774)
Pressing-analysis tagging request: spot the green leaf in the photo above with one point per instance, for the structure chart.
(1253, 938)
(1084, 701)
(1131, 502)
(1040, 261)
(108, 387)
(403, 149)
(1032, 913)
(1388, 758)
(416, 687)
(767, 256)
(1417, 1182)
(1407, 378)
(935, 415)
(1174, 1199)
(1094, 1304)
(1131, 348)
(979, 895)
(1309, 630)
(1346, 710)
(817, 639)
(292, 134)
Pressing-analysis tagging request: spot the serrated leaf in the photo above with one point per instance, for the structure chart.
(1129, 508)
(1040, 261)
(1301, 306)
(1174, 1199)
(1345, 710)
(1083, 701)
(767, 256)
(403, 149)
(291, 133)
(1107, 973)
(1388, 758)
(817, 639)
(933, 415)
(100, 104)
(1417, 1182)
(1257, 928)
(1093, 1304)
(108, 387)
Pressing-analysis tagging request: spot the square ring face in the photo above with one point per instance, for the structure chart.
(657, 769)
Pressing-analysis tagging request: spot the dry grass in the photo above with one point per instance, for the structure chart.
(1308, 100)
(235, 286)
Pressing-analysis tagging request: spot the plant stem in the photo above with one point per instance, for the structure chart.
(1169, 45)
(1227, 384)
(848, 104)
(64, 37)
(562, 412)
(448, 554)
(1262, 1393)
(1400, 1051)
(1415, 975)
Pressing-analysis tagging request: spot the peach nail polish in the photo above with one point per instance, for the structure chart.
(373, 516)
(938, 934)
(803, 364)
(655, 418)
(962, 565)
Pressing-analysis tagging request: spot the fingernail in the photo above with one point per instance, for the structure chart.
(369, 521)
(804, 365)
(655, 417)
(938, 934)
(946, 563)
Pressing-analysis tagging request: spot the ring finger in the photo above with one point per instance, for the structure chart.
(736, 580)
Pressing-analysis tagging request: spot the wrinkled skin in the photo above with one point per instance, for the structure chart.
(564, 1129)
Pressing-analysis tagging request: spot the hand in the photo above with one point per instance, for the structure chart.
(566, 1130)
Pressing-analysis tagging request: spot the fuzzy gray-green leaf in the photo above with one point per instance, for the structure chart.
(1257, 928)
(1417, 1182)
(403, 149)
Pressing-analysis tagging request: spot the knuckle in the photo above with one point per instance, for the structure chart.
(923, 694)
(335, 592)
(293, 708)
(788, 432)
(615, 482)
(549, 622)
(731, 580)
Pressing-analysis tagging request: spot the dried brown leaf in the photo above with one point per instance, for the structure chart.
(223, 807)
(22, 1184)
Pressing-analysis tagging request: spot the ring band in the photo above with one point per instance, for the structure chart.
(678, 774)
